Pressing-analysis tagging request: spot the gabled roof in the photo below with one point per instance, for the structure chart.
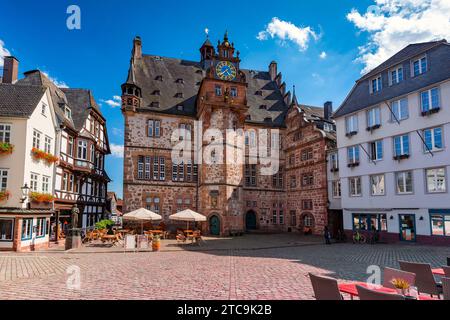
(36, 77)
(81, 102)
(438, 55)
(19, 100)
(407, 53)
(157, 78)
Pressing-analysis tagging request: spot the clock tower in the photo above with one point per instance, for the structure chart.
(222, 106)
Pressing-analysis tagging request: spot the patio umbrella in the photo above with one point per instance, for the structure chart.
(189, 216)
(142, 215)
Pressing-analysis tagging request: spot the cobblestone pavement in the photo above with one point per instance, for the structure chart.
(268, 273)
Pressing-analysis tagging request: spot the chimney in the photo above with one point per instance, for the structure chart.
(328, 110)
(273, 70)
(137, 48)
(10, 70)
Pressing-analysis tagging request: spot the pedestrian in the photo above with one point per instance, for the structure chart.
(327, 235)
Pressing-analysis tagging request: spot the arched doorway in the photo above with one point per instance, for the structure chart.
(250, 221)
(307, 223)
(214, 225)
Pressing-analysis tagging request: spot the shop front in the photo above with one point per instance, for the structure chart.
(24, 230)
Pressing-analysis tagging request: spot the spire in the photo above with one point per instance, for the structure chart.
(225, 37)
(131, 79)
(294, 98)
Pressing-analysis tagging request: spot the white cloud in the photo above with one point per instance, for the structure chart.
(397, 23)
(117, 132)
(323, 55)
(318, 79)
(116, 150)
(287, 31)
(59, 84)
(115, 102)
(3, 52)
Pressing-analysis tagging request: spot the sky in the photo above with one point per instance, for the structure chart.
(322, 46)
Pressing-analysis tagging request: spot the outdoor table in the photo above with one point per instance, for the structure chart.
(109, 238)
(439, 272)
(350, 288)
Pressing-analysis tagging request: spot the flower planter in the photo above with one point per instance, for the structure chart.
(4, 195)
(6, 148)
(41, 155)
(156, 244)
(41, 197)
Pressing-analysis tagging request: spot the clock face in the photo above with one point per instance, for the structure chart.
(225, 70)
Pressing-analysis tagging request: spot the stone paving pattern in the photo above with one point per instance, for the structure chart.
(266, 273)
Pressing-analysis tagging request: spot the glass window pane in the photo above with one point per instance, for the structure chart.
(447, 225)
(425, 101)
(438, 138)
(437, 225)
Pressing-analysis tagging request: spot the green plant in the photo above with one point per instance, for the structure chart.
(104, 224)
(6, 148)
(41, 197)
(4, 195)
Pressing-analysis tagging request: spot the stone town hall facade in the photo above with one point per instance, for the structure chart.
(162, 95)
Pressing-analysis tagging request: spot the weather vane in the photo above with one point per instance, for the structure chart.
(207, 32)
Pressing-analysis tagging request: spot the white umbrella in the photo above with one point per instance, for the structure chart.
(142, 215)
(188, 215)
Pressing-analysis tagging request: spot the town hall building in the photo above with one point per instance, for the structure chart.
(167, 101)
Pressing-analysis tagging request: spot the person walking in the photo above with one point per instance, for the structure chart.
(327, 235)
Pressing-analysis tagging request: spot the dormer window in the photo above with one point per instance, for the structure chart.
(181, 81)
(179, 95)
(157, 93)
(159, 78)
(396, 75)
(199, 71)
(263, 107)
(68, 112)
(268, 119)
(259, 93)
(248, 118)
(154, 104)
(180, 107)
(376, 84)
(419, 66)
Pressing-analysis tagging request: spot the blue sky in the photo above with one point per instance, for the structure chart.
(314, 42)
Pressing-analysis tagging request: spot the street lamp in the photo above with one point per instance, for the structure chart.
(25, 190)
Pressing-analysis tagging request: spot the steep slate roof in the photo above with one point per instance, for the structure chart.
(36, 77)
(19, 100)
(146, 71)
(81, 102)
(438, 56)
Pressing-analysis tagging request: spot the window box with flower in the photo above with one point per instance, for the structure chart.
(41, 197)
(4, 195)
(42, 155)
(6, 148)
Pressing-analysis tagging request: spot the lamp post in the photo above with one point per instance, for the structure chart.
(25, 192)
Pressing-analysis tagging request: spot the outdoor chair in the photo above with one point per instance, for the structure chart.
(181, 238)
(325, 288)
(391, 274)
(446, 288)
(425, 281)
(446, 271)
(368, 294)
